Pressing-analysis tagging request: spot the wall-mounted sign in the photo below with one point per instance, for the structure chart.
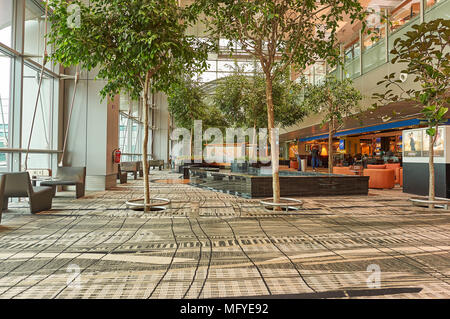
(416, 143)
(342, 145)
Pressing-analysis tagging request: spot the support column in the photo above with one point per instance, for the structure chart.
(93, 132)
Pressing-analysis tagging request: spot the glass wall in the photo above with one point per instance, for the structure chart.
(402, 15)
(41, 137)
(20, 68)
(131, 129)
(5, 87)
(6, 22)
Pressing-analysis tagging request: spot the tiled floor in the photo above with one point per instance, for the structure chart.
(212, 244)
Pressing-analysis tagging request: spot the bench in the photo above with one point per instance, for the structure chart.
(69, 176)
(122, 176)
(19, 185)
(40, 173)
(130, 167)
(156, 163)
(152, 164)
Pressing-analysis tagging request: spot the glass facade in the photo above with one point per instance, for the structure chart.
(131, 130)
(20, 69)
(6, 14)
(377, 43)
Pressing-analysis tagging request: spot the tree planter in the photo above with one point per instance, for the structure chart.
(285, 204)
(156, 204)
(424, 202)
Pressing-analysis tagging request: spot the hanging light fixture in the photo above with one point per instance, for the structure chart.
(324, 151)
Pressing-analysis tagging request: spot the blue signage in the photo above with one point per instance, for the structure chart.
(342, 145)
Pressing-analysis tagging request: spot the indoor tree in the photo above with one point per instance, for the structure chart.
(241, 97)
(137, 46)
(281, 35)
(335, 100)
(425, 53)
(187, 103)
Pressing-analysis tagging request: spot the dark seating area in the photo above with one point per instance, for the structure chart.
(69, 176)
(19, 185)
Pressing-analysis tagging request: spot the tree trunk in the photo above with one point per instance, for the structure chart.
(330, 151)
(145, 144)
(273, 141)
(253, 148)
(431, 187)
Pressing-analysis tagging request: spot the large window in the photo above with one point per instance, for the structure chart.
(130, 129)
(20, 69)
(6, 22)
(34, 44)
(42, 130)
(5, 87)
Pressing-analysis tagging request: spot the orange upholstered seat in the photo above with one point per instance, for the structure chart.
(343, 170)
(380, 178)
(396, 167)
(293, 164)
(376, 166)
(401, 176)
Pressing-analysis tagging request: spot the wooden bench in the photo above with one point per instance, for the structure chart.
(19, 185)
(69, 176)
(130, 167)
(121, 175)
(156, 163)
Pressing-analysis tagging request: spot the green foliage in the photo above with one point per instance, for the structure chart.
(425, 52)
(127, 41)
(187, 104)
(241, 97)
(289, 33)
(335, 99)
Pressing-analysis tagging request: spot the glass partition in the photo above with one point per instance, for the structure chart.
(352, 68)
(374, 56)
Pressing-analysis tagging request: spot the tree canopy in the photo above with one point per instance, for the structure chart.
(127, 41)
(241, 97)
(136, 46)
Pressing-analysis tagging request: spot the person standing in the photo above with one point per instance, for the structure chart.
(298, 160)
(315, 157)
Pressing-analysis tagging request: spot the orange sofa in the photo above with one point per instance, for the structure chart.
(395, 166)
(400, 176)
(380, 178)
(342, 170)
